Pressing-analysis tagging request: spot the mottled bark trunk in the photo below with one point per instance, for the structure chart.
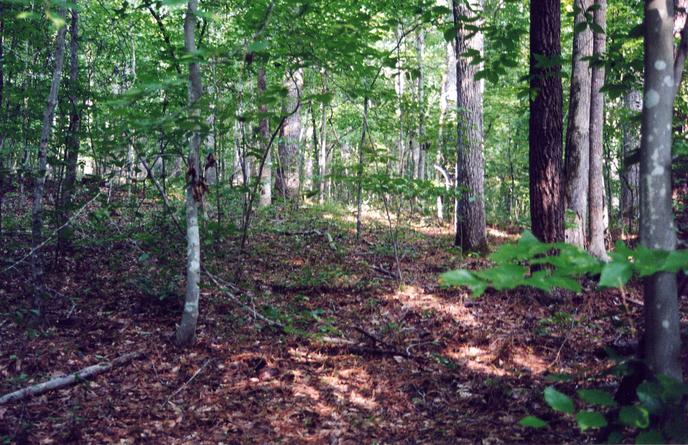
(39, 189)
(470, 163)
(72, 143)
(578, 132)
(662, 343)
(545, 126)
(266, 174)
(444, 102)
(186, 331)
(630, 202)
(596, 206)
(400, 104)
(287, 183)
(4, 116)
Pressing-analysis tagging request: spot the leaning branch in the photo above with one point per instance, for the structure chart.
(70, 379)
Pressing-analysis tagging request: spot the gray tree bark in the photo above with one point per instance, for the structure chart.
(287, 183)
(322, 153)
(470, 164)
(195, 188)
(578, 132)
(662, 343)
(72, 143)
(266, 174)
(596, 206)
(39, 189)
(359, 170)
(633, 102)
(422, 143)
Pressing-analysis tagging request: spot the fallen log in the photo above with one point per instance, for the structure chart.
(69, 379)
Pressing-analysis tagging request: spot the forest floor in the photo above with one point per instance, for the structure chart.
(362, 359)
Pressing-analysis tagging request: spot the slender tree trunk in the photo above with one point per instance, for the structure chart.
(39, 189)
(186, 331)
(470, 163)
(400, 104)
(662, 343)
(266, 174)
(633, 102)
(596, 180)
(322, 153)
(422, 143)
(287, 182)
(3, 121)
(359, 171)
(578, 131)
(72, 144)
(545, 128)
(444, 101)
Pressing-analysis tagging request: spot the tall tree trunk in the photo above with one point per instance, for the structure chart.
(400, 102)
(287, 183)
(662, 343)
(422, 143)
(359, 171)
(72, 143)
(596, 181)
(633, 102)
(545, 127)
(3, 121)
(578, 131)
(444, 102)
(266, 174)
(470, 163)
(322, 153)
(195, 188)
(39, 189)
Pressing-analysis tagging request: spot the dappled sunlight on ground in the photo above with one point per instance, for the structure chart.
(416, 298)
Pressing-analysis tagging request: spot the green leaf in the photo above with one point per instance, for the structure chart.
(634, 416)
(590, 419)
(615, 274)
(463, 277)
(558, 401)
(532, 422)
(596, 397)
(650, 437)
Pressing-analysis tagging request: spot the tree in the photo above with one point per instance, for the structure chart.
(596, 181)
(287, 183)
(37, 209)
(470, 163)
(577, 131)
(663, 73)
(194, 188)
(264, 128)
(72, 143)
(633, 103)
(545, 126)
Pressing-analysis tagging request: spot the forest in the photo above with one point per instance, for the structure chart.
(343, 221)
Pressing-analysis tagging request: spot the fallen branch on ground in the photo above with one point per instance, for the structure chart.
(193, 377)
(70, 379)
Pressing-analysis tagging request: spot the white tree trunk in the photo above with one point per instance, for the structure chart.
(186, 331)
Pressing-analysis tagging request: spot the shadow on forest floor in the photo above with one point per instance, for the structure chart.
(365, 360)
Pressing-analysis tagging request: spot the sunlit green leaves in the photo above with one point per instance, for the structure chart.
(558, 401)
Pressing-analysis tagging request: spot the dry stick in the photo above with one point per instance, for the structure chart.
(52, 235)
(70, 379)
(193, 377)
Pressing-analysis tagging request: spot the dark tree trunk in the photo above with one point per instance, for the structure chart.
(470, 163)
(545, 129)
(72, 143)
(578, 132)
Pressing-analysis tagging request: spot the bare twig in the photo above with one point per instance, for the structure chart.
(193, 377)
